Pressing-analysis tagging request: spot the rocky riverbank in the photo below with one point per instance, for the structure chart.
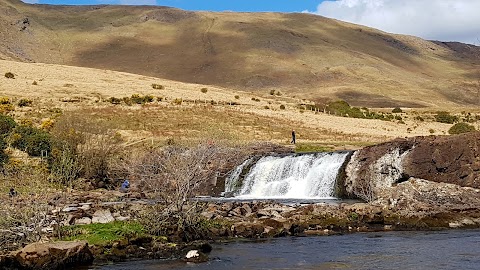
(385, 176)
(415, 204)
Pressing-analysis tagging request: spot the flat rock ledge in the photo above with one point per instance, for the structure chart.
(48, 256)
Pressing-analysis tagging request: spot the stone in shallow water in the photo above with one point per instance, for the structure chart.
(58, 255)
(192, 254)
(196, 256)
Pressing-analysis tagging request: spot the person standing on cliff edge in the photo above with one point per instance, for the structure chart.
(293, 137)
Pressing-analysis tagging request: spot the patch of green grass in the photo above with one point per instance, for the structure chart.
(102, 234)
(306, 148)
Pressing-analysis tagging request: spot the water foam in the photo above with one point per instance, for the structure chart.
(296, 177)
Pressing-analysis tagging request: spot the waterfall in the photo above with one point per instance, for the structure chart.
(296, 177)
(232, 180)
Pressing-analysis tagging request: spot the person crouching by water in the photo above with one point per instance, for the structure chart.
(293, 137)
(125, 186)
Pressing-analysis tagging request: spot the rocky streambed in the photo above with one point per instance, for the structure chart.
(406, 188)
(415, 204)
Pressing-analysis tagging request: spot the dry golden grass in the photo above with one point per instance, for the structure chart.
(196, 117)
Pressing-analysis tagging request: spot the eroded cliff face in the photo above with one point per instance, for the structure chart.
(449, 159)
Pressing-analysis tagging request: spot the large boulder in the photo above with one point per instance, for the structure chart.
(49, 256)
(449, 159)
(421, 203)
(102, 216)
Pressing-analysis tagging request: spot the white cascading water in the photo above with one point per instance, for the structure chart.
(294, 177)
(231, 181)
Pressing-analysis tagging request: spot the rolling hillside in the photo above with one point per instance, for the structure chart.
(301, 55)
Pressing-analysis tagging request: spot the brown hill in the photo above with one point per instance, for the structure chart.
(302, 55)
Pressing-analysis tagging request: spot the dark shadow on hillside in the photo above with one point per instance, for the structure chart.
(461, 50)
(362, 39)
(200, 54)
(182, 61)
(462, 95)
(269, 36)
(374, 101)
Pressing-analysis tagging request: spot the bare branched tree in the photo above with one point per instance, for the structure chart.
(23, 221)
(171, 176)
(96, 154)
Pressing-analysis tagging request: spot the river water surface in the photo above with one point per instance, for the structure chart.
(453, 249)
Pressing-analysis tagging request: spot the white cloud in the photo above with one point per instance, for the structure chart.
(445, 20)
(31, 1)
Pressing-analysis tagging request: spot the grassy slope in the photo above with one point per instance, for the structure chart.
(84, 92)
(302, 55)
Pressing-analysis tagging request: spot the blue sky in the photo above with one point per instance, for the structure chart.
(444, 20)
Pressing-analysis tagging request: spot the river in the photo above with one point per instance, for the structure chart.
(452, 249)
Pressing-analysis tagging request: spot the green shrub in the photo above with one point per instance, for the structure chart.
(397, 110)
(272, 92)
(459, 128)
(431, 131)
(178, 101)
(136, 98)
(127, 101)
(24, 102)
(114, 100)
(282, 107)
(3, 155)
(157, 86)
(7, 124)
(5, 101)
(266, 107)
(204, 90)
(34, 83)
(419, 118)
(340, 107)
(148, 98)
(356, 113)
(237, 97)
(32, 140)
(9, 75)
(445, 117)
(398, 117)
